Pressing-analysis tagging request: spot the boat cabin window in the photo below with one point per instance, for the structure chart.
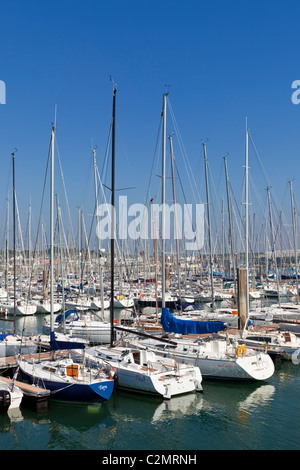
(49, 368)
(261, 338)
(136, 357)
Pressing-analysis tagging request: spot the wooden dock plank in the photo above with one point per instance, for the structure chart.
(11, 361)
(28, 389)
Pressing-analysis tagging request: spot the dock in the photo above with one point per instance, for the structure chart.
(27, 389)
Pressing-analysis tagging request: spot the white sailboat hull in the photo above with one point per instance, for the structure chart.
(21, 309)
(16, 395)
(166, 385)
(97, 304)
(123, 302)
(45, 307)
(258, 367)
(215, 362)
(97, 332)
(146, 373)
(13, 345)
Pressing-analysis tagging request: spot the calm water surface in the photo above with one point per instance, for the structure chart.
(227, 416)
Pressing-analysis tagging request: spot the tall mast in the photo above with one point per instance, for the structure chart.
(295, 239)
(247, 226)
(61, 262)
(175, 221)
(155, 262)
(209, 231)
(163, 195)
(29, 240)
(52, 229)
(273, 246)
(112, 235)
(230, 232)
(99, 244)
(7, 250)
(14, 239)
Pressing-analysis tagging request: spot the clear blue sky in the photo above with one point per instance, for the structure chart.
(223, 60)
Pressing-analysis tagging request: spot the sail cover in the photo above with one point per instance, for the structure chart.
(73, 313)
(3, 336)
(184, 327)
(57, 345)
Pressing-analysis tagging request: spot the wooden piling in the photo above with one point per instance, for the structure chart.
(242, 301)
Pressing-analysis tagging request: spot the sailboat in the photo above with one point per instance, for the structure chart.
(13, 344)
(123, 301)
(78, 325)
(19, 308)
(44, 306)
(66, 379)
(139, 370)
(285, 343)
(216, 358)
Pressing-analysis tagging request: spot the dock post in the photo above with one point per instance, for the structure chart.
(242, 305)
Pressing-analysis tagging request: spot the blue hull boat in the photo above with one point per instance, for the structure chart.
(67, 382)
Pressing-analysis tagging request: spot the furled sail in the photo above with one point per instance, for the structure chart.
(57, 345)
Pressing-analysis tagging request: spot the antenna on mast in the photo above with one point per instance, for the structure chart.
(55, 112)
(114, 83)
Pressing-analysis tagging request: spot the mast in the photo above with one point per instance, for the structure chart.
(29, 241)
(247, 226)
(99, 243)
(14, 239)
(52, 230)
(209, 232)
(155, 262)
(223, 239)
(61, 262)
(175, 221)
(273, 246)
(163, 216)
(295, 239)
(6, 250)
(112, 235)
(230, 232)
(266, 254)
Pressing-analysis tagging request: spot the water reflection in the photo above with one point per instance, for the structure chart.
(259, 397)
(179, 407)
(66, 426)
(74, 415)
(142, 408)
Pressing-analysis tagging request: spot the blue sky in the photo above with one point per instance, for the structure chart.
(224, 61)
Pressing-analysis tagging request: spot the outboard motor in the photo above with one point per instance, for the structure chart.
(5, 401)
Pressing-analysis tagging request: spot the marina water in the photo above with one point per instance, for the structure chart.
(227, 416)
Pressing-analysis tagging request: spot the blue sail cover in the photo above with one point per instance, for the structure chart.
(173, 325)
(61, 316)
(3, 336)
(57, 345)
